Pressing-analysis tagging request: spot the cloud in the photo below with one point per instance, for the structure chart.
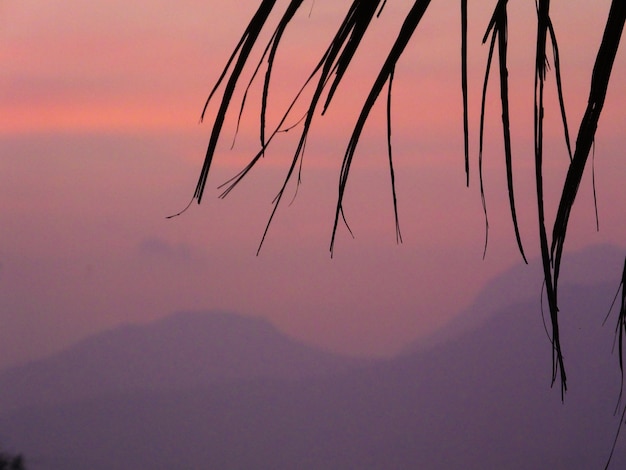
(159, 249)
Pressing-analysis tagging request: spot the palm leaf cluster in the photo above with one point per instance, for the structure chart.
(331, 69)
(11, 462)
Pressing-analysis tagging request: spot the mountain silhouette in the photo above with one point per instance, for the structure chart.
(480, 400)
(594, 264)
(181, 351)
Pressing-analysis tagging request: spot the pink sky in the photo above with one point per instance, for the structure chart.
(99, 141)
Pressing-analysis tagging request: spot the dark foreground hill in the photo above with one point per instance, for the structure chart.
(480, 401)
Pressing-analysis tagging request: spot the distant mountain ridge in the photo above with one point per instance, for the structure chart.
(187, 349)
(595, 264)
(481, 399)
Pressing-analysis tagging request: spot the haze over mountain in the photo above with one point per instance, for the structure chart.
(187, 349)
(480, 400)
(595, 264)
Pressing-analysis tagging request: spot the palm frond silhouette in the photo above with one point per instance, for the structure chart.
(337, 58)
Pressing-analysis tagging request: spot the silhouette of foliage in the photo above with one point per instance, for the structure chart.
(11, 462)
(329, 72)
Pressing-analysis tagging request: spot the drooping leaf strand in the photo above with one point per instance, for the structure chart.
(464, 88)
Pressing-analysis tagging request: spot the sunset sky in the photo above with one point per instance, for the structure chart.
(100, 140)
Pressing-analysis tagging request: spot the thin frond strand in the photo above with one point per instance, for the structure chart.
(543, 20)
(501, 28)
(620, 335)
(559, 86)
(244, 47)
(587, 130)
(409, 26)
(481, 135)
(464, 87)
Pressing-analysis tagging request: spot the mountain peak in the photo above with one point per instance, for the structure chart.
(186, 349)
